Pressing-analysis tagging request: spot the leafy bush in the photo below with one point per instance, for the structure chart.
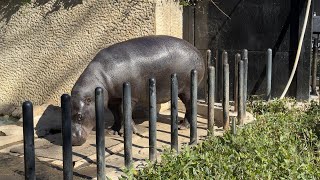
(282, 144)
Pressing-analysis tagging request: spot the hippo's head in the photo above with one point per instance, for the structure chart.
(83, 114)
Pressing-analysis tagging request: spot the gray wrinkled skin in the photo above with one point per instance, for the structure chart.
(133, 61)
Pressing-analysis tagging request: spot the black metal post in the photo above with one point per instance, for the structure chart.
(152, 120)
(100, 138)
(241, 101)
(211, 91)
(314, 67)
(236, 81)
(194, 98)
(245, 80)
(208, 65)
(28, 141)
(67, 138)
(269, 73)
(225, 102)
(174, 112)
(234, 126)
(127, 115)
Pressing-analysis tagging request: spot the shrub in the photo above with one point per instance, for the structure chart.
(282, 144)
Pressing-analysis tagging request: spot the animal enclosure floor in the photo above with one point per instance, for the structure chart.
(49, 151)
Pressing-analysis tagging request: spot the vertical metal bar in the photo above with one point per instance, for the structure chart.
(241, 93)
(269, 73)
(100, 138)
(194, 110)
(219, 75)
(314, 67)
(28, 141)
(152, 120)
(245, 80)
(127, 115)
(66, 135)
(208, 54)
(174, 112)
(236, 81)
(234, 126)
(211, 91)
(225, 102)
(225, 59)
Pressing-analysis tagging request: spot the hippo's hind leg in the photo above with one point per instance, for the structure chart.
(185, 98)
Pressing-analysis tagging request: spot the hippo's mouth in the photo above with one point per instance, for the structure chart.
(79, 134)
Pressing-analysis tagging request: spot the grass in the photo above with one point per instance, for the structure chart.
(282, 144)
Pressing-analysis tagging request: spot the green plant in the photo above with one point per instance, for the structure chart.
(282, 144)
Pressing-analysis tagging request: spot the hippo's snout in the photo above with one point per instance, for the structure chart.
(79, 135)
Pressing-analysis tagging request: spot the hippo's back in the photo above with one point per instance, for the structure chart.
(139, 59)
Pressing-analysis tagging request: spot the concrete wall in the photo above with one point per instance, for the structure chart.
(46, 45)
(168, 18)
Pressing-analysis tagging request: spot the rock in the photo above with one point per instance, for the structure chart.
(2, 133)
(39, 110)
(17, 113)
(7, 109)
(6, 117)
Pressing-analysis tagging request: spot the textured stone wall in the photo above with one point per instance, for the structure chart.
(168, 17)
(45, 45)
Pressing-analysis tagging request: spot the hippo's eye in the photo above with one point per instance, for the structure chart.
(87, 100)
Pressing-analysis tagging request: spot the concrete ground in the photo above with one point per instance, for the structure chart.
(49, 151)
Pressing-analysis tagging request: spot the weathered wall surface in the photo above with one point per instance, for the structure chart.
(168, 15)
(46, 45)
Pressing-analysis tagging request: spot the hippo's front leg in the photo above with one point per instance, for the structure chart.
(133, 125)
(117, 115)
(117, 128)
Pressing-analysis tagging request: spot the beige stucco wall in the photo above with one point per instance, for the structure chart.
(44, 49)
(168, 17)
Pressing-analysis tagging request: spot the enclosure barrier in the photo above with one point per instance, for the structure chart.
(269, 74)
(194, 107)
(225, 100)
(241, 94)
(211, 93)
(314, 67)
(28, 141)
(152, 120)
(174, 112)
(100, 140)
(236, 81)
(127, 124)
(66, 135)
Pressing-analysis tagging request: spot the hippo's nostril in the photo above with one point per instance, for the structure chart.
(79, 135)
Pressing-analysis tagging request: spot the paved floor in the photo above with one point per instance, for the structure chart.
(49, 151)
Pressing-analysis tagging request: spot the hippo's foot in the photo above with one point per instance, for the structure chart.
(184, 124)
(134, 129)
(111, 131)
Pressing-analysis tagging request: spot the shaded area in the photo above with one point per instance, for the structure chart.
(256, 26)
(12, 167)
(9, 7)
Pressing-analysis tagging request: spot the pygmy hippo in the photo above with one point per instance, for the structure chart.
(133, 61)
